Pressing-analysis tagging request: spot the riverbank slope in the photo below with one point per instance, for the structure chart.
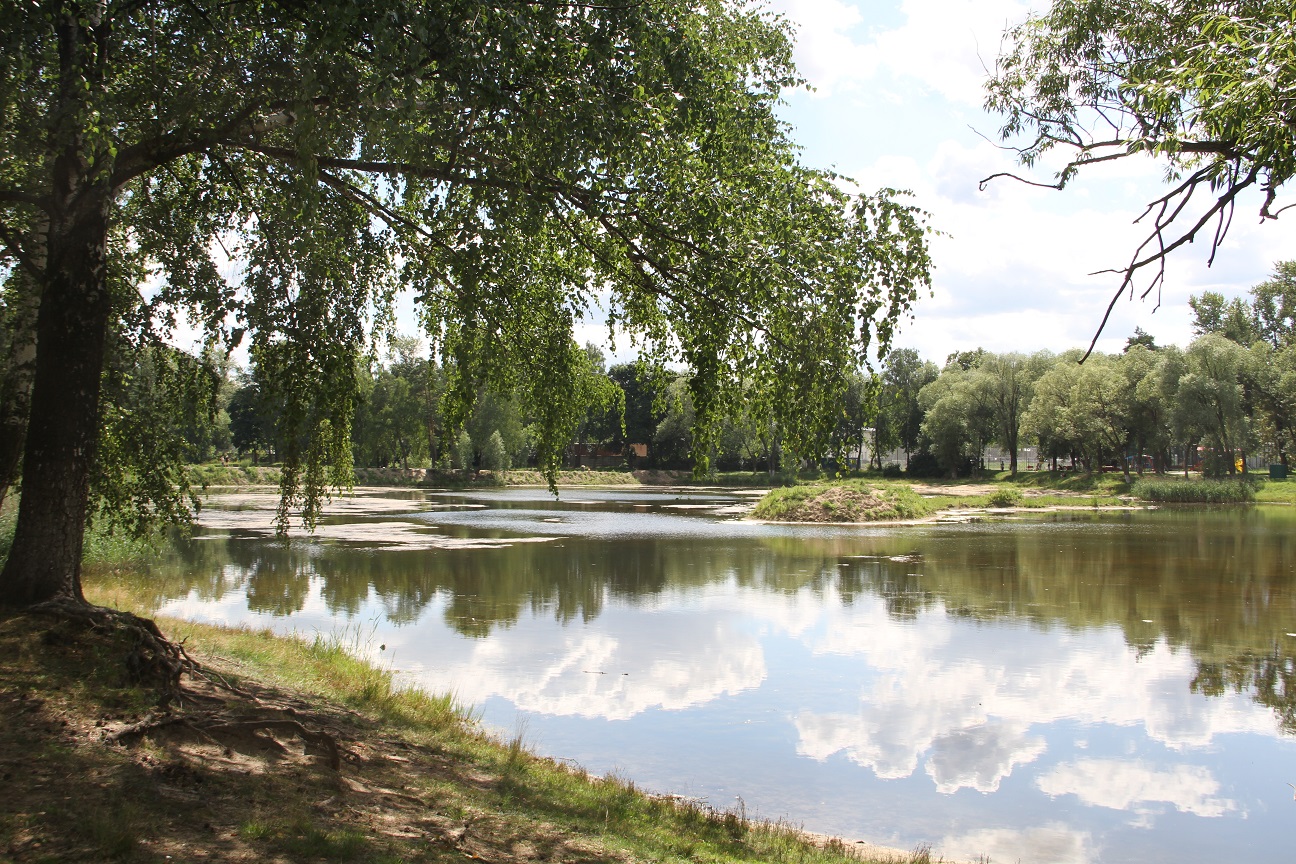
(286, 751)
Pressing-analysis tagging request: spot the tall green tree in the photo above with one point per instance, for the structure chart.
(1149, 403)
(1203, 86)
(857, 414)
(1269, 382)
(904, 375)
(1050, 418)
(1274, 302)
(1009, 383)
(504, 162)
(1233, 319)
(1210, 403)
(958, 414)
(1101, 403)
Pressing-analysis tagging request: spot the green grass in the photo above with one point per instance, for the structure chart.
(1176, 490)
(1277, 491)
(846, 501)
(218, 474)
(301, 839)
(872, 499)
(1109, 485)
(103, 548)
(1006, 497)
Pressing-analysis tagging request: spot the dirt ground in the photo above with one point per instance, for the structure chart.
(248, 774)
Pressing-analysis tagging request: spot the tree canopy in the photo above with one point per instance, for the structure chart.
(1206, 87)
(277, 172)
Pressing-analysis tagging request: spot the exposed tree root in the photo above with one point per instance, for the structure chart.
(213, 727)
(153, 660)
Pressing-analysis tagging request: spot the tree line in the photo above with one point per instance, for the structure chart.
(401, 419)
(1232, 392)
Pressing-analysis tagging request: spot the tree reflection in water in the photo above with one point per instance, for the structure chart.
(1216, 583)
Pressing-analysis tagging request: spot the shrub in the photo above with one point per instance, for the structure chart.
(1007, 497)
(924, 464)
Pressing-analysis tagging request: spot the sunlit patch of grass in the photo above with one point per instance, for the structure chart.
(1034, 501)
(1175, 490)
(1277, 492)
(217, 474)
(845, 501)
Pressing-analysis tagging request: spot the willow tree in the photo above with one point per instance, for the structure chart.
(278, 171)
(1203, 86)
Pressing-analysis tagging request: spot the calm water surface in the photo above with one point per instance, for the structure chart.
(1086, 687)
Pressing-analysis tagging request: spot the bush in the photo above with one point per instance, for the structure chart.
(1008, 497)
(1174, 491)
(924, 464)
(892, 471)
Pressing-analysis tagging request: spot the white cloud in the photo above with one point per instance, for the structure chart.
(611, 668)
(947, 45)
(968, 702)
(1123, 785)
(1056, 844)
(979, 757)
(900, 89)
(943, 46)
(826, 53)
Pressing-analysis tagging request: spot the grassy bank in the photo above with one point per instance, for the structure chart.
(1176, 490)
(871, 498)
(844, 501)
(876, 500)
(294, 750)
(216, 475)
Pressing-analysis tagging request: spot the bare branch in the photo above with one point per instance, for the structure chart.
(982, 185)
(16, 196)
(1225, 200)
(13, 243)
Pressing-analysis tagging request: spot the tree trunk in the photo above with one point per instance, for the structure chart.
(63, 429)
(19, 368)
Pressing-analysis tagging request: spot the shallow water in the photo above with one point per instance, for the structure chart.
(1081, 687)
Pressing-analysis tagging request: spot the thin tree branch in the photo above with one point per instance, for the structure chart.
(13, 243)
(17, 196)
(1225, 200)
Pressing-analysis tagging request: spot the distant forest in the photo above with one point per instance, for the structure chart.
(1229, 394)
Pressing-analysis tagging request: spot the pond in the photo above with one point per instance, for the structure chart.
(1075, 687)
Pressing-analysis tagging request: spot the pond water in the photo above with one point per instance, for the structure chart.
(1078, 687)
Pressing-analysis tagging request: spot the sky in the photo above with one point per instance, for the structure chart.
(897, 101)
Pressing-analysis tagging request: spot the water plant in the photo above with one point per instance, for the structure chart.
(1174, 490)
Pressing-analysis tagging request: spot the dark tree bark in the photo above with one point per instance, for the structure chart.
(71, 328)
(63, 428)
(19, 364)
